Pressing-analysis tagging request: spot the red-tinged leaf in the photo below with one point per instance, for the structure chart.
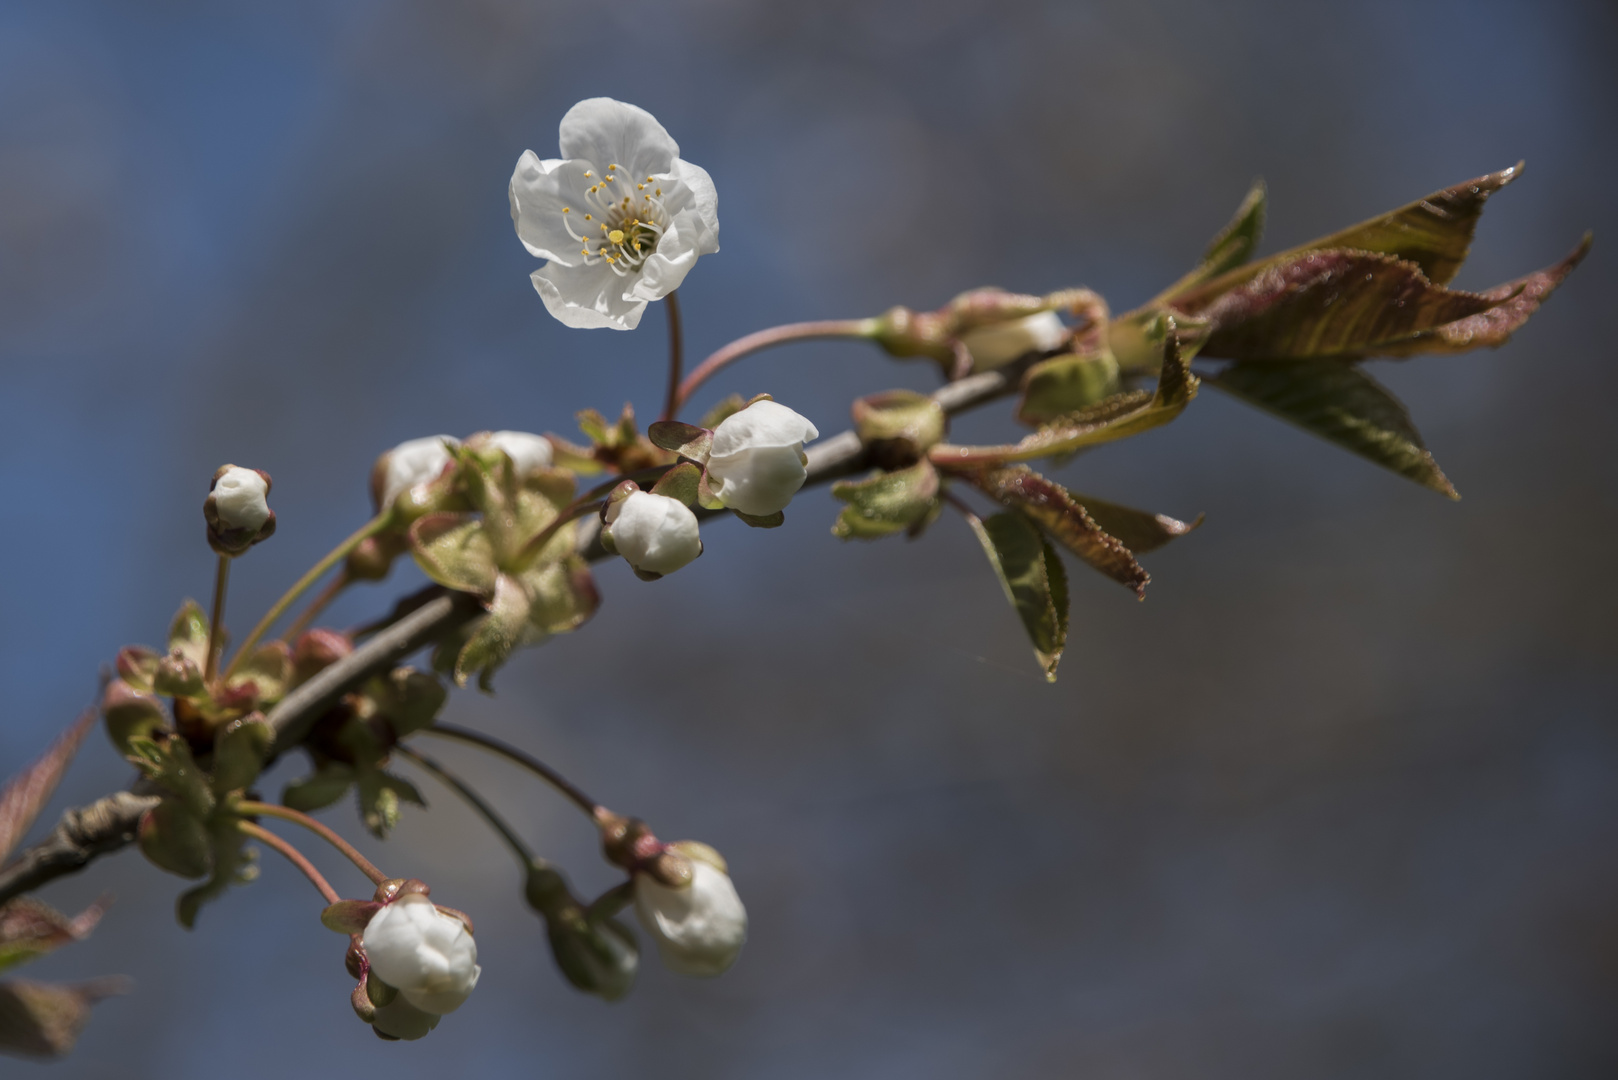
(1138, 530)
(1034, 581)
(1332, 304)
(1435, 233)
(687, 440)
(1118, 417)
(1341, 403)
(1494, 327)
(26, 794)
(1231, 246)
(29, 928)
(1052, 507)
(44, 1020)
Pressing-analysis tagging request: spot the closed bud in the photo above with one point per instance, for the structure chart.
(598, 958)
(429, 956)
(527, 451)
(998, 344)
(237, 509)
(317, 650)
(654, 533)
(410, 470)
(757, 461)
(699, 927)
(373, 557)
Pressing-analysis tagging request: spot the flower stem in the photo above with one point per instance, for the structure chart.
(298, 817)
(579, 508)
(333, 557)
(764, 339)
(293, 855)
(524, 853)
(671, 403)
(317, 605)
(216, 621)
(527, 761)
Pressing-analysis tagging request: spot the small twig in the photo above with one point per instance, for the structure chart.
(525, 854)
(520, 757)
(293, 855)
(320, 829)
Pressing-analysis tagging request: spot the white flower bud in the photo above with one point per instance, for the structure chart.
(757, 461)
(410, 463)
(526, 451)
(403, 1020)
(1001, 343)
(654, 533)
(428, 956)
(699, 928)
(240, 499)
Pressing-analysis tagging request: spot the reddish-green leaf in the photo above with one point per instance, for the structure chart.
(29, 928)
(687, 440)
(1232, 246)
(1341, 403)
(1052, 507)
(26, 794)
(1138, 530)
(1034, 580)
(44, 1019)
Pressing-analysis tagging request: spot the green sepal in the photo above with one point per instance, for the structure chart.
(681, 482)
(234, 863)
(174, 838)
(129, 714)
(240, 750)
(1344, 405)
(455, 551)
(409, 699)
(687, 440)
(137, 666)
(1064, 385)
(328, 783)
(913, 420)
(179, 676)
(723, 411)
(269, 669)
(188, 633)
(705, 496)
(768, 521)
(886, 503)
(349, 916)
(596, 956)
(498, 634)
(1034, 581)
(380, 795)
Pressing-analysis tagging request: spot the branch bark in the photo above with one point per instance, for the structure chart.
(109, 823)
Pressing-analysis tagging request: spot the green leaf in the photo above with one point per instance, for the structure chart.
(240, 750)
(1341, 403)
(455, 551)
(565, 596)
(1064, 385)
(913, 420)
(381, 794)
(498, 634)
(687, 440)
(26, 793)
(137, 666)
(234, 863)
(1517, 301)
(680, 482)
(1118, 417)
(1233, 245)
(169, 763)
(410, 700)
(188, 633)
(269, 669)
(328, 783)
(1053, 508)
(1138, 530)
(1332, 304)
(1034, 581)
(886, 503)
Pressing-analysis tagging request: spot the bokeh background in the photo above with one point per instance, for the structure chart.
(1340, 800)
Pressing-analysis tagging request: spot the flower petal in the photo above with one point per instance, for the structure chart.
(705, 199)
(676, 254)
(539, 192)
(587, 297)
(605, 132)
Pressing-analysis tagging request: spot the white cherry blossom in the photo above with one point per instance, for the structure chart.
(428, 956)
(654, 533)
(757, 461)
(240, 499)
(699, 928)
(1000, 343)
(620, 216)
(418, 461)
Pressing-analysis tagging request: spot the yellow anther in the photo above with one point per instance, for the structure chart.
(586, 217)
(611, 167)
(659, 191)
(640, 187)
(616, 236)
(611, 259)
(565, 209)
(588, 174)
(648, 179)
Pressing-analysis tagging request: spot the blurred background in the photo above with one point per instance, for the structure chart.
(1338, 801)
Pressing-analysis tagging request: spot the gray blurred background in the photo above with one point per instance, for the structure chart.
(1338, 801)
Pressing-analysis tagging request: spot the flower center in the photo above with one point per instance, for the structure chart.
(621, 226)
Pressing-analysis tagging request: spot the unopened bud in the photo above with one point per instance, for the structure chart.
(699, 927)
(654, 533)
(411, 469)
(237, 509)
(427, 954)
(598, 958)
(526, 450)
(317, 650)
(373, 557)
(757, 461)
(998, 344)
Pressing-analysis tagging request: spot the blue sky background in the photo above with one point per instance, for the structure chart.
(1339, 800)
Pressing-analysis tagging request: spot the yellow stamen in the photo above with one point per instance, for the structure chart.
(616, 236)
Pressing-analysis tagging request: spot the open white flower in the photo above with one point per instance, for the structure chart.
(699, 928)
(654, 533)
(1000, 343)
(240, 498)
(526, 450)
(620, 217)
(418, 461)
(428, 956)
(757, 461)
